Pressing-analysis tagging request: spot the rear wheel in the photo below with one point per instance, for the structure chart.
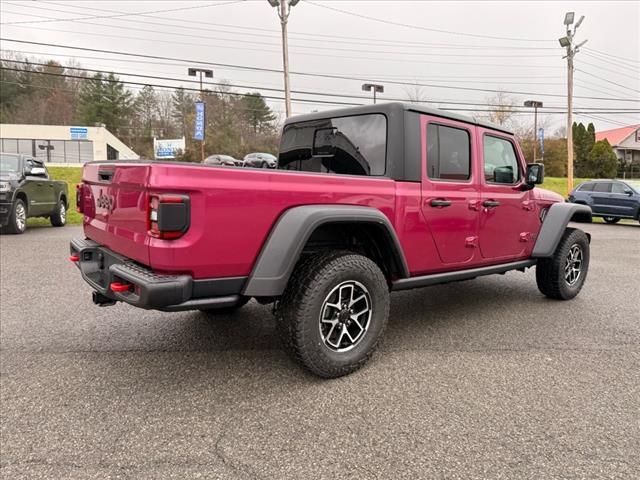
(562, 276)
(611, 219)
(59, 217)
(264, 165)
(18, 218)
(333, 312)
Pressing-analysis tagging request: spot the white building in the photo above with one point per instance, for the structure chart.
(58, 144)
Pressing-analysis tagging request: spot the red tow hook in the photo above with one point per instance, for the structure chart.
(120, 287)
(74, 258)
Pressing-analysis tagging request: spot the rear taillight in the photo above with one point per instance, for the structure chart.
(168, 216)
(79, 193)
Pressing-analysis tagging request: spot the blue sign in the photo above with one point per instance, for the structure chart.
(79, 133)
(198, 132)
(541, 140)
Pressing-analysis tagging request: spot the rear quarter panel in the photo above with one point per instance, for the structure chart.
(234, 209)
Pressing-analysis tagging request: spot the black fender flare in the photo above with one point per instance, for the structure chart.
(554, 224)
(285, 243)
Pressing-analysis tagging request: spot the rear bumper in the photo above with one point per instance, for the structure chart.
(101, 268)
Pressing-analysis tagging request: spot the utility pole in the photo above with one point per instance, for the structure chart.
(535, 104)
(208, 74)
(372, 87)
(567, 42)
(283, 12)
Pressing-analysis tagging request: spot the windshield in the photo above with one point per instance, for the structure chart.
(9, 163)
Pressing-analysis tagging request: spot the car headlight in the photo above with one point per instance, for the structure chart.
(5, 187)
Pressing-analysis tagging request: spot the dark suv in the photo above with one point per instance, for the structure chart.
(609, 199)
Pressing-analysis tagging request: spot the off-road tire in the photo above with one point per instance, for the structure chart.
(611, 219)
(299, 309)
(550, 272)
(213, 312)
(59, 217)
(14, 226)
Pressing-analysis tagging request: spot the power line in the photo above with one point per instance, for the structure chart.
(607, 80)
(634, 60)
(121, 14)
(297, 50)
(318, 102)
(418, 27)
(615, 63)
(319, 75)
(255, 87)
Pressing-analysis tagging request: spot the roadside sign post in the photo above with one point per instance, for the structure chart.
(198, 133)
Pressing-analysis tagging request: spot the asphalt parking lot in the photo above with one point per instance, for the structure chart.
(481, 379)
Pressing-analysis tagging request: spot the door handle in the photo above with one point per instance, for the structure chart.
(440, 203)
(490, 204)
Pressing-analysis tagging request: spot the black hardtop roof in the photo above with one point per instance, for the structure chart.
(394, 107)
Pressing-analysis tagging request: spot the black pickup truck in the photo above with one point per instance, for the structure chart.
(26, 190)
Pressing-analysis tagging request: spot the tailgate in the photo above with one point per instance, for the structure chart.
(114, 203)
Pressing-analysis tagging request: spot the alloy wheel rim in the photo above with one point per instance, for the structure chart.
(573, 264)
(345, 316)
(63, 212)
(21, 217)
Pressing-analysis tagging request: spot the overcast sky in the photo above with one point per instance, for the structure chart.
(502, 45)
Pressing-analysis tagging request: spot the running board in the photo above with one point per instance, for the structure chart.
(437, 278)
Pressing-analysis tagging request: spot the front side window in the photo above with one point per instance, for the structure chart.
(500, 161)
(9, 163)
(355, 145)
(602, 187)
(618, 188)
(448, 153)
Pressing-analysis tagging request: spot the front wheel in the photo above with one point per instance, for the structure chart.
(59, 216)
(333, 312)
(611, 219)
(18, 217)
(562, 276)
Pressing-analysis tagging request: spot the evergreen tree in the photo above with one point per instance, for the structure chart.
(105, 99)
(146, 107)
(257, 113)
(602, 161)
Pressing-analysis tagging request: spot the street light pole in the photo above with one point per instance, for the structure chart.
(283, 13)
(372, 87)
(208, 74)
(567, 42)
(535, 104)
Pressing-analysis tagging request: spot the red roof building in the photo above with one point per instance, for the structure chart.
(626, 143)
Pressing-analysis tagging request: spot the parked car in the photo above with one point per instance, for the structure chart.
(260, 160)
(610, 199)
(221, 160)
(26, 190)
(365, 201)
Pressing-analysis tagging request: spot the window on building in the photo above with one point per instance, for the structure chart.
(500, 161)
(355, 145)
(448, 153)
(112, 153)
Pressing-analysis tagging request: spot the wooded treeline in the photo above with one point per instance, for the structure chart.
(45, 92)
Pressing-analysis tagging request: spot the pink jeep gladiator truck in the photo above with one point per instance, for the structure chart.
(364, 201)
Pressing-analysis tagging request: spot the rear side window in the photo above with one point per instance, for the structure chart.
(602, 187)
(586, 187)
(355, 145)
(500, 161)
(448, 153)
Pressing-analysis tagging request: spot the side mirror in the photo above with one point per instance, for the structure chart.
(37, 172)
(535, 173)
(628, 191)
